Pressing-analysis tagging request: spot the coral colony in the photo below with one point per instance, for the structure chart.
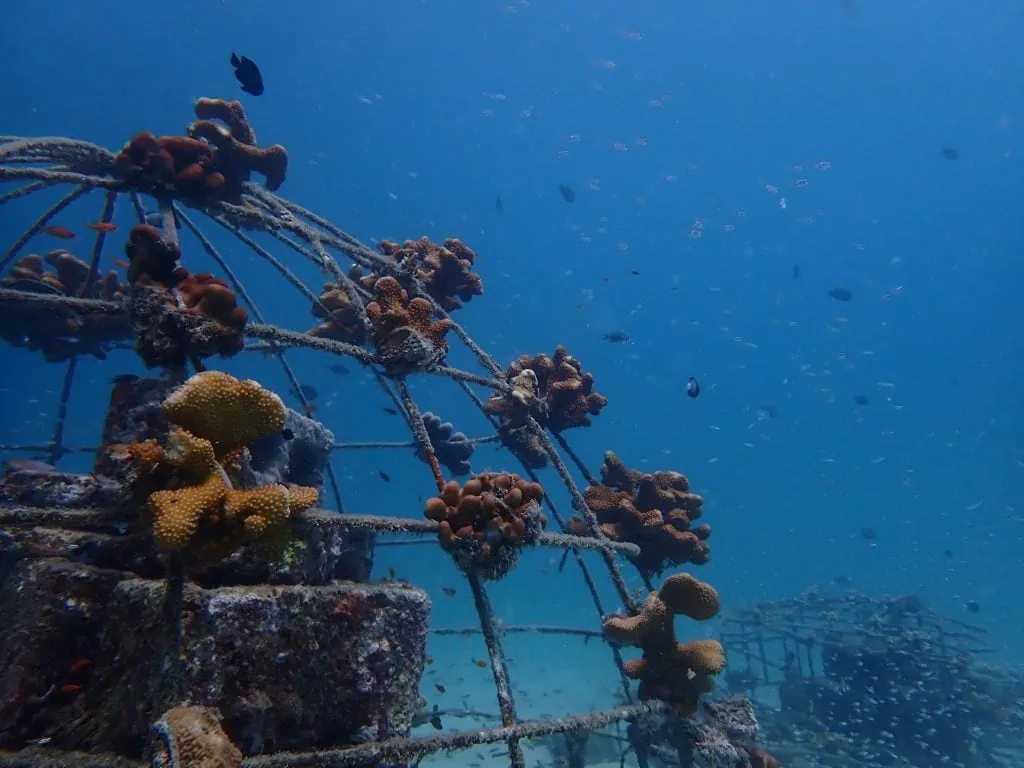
(188, 603)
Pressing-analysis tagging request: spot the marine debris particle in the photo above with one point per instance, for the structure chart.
(403, 331)
(247, 74)
(677, 673)
(215, 416)
(484, 523)
(192, 737)
(840, 294)
(655, 511)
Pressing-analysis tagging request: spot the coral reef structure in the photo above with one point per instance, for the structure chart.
(674, 672)
(402, 329)
(654, 510)
(215, 160)
(177, 315)
(485, 522)
(62, 334)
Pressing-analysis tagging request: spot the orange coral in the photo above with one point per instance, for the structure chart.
(654, 511)
(677, 673)
(402, 329)
(62, 334)
(445, 270)
(554, 390)
(484, 522)
(342, 318)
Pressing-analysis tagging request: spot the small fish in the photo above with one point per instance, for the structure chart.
(498, 205)
(972, 606)
(308, 391)
(634, 272)
(448, 591)
(440, 688)
(390, 411)
(392, 572)
(70, 688)
(287, 434)
(567, 194)
(339, 369)
(248, 74)
(796, 271)
(840, 294)
(692, 387)
(842, 578)
(122, 264)
(869, 534)
(384, 476)
(950, 153)
(79, 665)
(428, 660)
(616, 337)
(480, 663)
(62, 232)
(102, 226)
(435, 721)
(861, 400)
(947, 552)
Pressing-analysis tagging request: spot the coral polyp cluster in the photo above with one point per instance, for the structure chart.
(214, 416)
(676, 673)
(214, 160)
(341, 314)
(485, 522)
(176, 314)
(61, 334)
(403, 330)
(655, 511)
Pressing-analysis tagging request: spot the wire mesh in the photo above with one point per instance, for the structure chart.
(40, 164)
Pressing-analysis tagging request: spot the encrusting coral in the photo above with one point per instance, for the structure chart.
(402, 329)
(192, 737)
(214, 416)
(655, 511)
(445, 270)
(176, 314)
(62, 334)
(214, 160)
(676, 673)
(484, 522)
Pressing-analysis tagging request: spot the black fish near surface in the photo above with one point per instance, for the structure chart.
(692, 387)
(950, 153)
(567, 194)
(247, 74)
(840, 294)
(616, 337)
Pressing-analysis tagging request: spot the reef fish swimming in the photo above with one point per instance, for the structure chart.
(840, 294)
(567, 193)
(248, 74)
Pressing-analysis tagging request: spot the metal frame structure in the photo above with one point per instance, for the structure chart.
(44, 163)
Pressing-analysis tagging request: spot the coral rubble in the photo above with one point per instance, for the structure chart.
(486, 521)
(655, 511)
(674, 672)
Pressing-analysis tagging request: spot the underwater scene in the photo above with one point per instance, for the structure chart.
(525, 383)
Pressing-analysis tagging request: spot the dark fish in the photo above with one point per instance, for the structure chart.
(384, 476)
(440, 688)
(248, 74)
(796, 271)
(947, 552)
(498, 205)
(449, 591)
(391, 411)
(861, 400)
(634, 272)
(309, 391)
(435, 719)
(869, 533)
(972, 606)
(842, 578)
(769, 412)
(840, 294)
(616, 337)
(392, 572)
(339, 369)
(480, 663)
(950, 153)
(692, 387)
(567, 194)
(287, 434)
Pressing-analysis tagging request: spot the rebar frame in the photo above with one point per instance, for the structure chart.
(42, 163)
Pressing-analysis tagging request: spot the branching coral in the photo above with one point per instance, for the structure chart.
(486, 521)
(61, 334)
(215, 415)
(402, 330)
(655, 511)
(176, 314)
(554, 390)
(213, 160)
(452, 448)
(342, 318)
(677, 673)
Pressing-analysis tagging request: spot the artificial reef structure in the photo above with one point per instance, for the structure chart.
(202, 597)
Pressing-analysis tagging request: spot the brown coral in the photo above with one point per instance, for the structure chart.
(554, 390)
(445, 270)
(343, 320)
(62, 334)
(402, 329)
(485, 522)
(674, 672)
(655, 511)
(192, 737)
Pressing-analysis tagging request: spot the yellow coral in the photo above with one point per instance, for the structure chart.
(226, 411)
(263, 508)
(177, 513)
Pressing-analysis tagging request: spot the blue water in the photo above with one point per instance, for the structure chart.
(669, 120)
